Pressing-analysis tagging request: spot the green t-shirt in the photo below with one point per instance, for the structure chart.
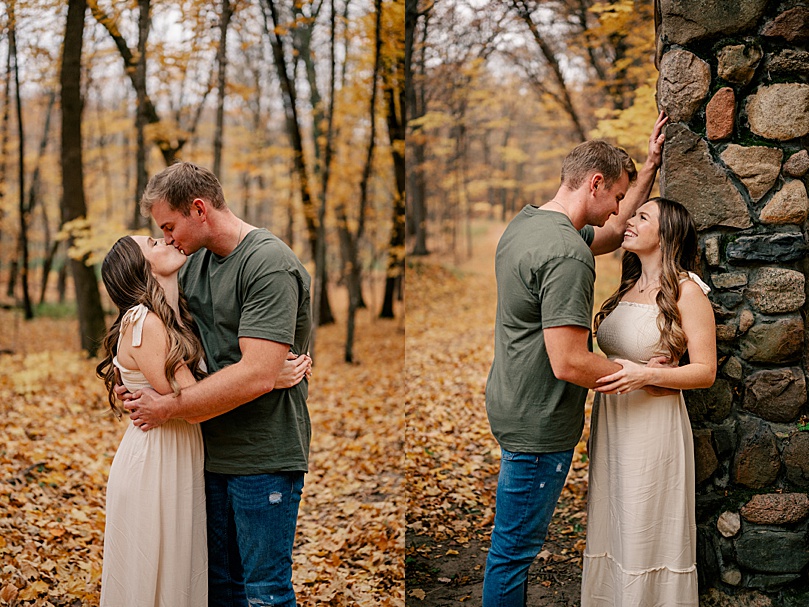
(260, 290)
(545, 274)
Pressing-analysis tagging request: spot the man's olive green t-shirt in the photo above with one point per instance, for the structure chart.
(260, 290)
(545, 275)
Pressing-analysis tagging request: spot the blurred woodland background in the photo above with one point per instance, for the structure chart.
(298, 107)
(502, 90)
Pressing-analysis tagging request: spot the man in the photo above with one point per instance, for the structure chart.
(249, 295)
(543, 360)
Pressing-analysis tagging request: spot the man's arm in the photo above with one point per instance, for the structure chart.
(570, 358)
(572, 361)
(609, 237)
(255, 374)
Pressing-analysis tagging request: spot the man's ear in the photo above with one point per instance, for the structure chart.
(596, 181)
(199, 208)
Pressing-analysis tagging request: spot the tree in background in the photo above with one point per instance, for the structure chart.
(146, 73)
(91, 316)
(393, 77)
(501, 93)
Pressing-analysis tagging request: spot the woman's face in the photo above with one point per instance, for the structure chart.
(164, 259)
(642, 232)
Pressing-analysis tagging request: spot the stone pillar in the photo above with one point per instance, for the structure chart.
(733, 79)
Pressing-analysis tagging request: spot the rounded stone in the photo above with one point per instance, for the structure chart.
(733, 367)
(792, 25)
(690, 176)
(756, 166)
(705, 460)
(756, 463)
(798, 164)
(776, 395)
(720, 114)
(729, 523)
(774, 342)
(727, 332)
(772, 550)
(729, 280)
(777, 290)
(790, 204)
(684, 21)
(712, 251)
(788, 61)
(796, 459)
(746, 598)
(776, 508)
(710, 404)
(738, 62)
(682, 85)
(746, 320)
(784, 246)
(779, 111)
(732, 576)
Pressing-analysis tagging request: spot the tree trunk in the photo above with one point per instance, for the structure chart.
(33, 191)
(91, 315)
(396, 245)
(4, 125)
(415, 102)
(222, 63)
(47, 266)
(25, 215)
(289, 95)
(141, 119)
(353, 240)
(320, 251)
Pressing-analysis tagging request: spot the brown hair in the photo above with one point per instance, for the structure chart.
(678, 243)
(179, 184)
(128, 278)
(598, 156)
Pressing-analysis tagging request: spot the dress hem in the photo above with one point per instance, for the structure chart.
(691, 569)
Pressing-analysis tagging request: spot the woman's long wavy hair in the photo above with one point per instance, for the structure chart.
(128, 277)
(678, 243)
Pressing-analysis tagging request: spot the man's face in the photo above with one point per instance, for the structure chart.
(180, 231)
(607, 199)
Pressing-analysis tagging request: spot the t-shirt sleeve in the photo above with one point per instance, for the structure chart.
(270, 306)
(588, 232)
(566, 293)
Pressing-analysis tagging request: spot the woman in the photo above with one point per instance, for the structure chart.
(155, 551)
(641, 536)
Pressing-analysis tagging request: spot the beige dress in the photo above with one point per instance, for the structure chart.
(155, 548)
(641, 528)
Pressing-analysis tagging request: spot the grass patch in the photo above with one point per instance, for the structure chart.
(57, 310)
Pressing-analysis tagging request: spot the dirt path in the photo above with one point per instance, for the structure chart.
(452, 458)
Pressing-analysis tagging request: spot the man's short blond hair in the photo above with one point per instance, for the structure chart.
(179, 185)
(596, 156)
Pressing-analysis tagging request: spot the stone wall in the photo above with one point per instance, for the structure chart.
(733, 79)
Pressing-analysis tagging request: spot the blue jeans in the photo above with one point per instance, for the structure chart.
(528, 488)
(251, 529)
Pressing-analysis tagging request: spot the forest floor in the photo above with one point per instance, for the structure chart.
(57, 440)
(452, 457)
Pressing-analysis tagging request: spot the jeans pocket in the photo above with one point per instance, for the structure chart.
(507, 455)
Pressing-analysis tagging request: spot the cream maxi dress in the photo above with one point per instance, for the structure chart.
(641, 527)
(155, 550)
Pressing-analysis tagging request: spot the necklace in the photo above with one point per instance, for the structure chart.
(649, 284)
(558, 204)
(241, 227)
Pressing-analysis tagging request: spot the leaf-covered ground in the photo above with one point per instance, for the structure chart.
(57, 442)
(452, 457)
